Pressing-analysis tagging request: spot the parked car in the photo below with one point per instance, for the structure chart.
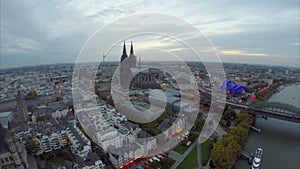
(159, 156)
(155, 158)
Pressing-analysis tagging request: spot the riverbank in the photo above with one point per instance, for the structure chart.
(279, 139)
(274, 96)
(275, 88)
(229, 147)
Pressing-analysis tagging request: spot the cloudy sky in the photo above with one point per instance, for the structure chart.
(43, 32)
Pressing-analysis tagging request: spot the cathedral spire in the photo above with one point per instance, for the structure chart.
(124, 54)
(131, 49)
(19, 95)
(124, 49)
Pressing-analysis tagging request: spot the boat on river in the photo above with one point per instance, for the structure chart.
(257, 159)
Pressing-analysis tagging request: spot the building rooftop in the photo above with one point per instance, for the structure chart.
(5, 114)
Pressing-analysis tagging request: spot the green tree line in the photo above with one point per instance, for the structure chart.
(229, 148)
(262, 96)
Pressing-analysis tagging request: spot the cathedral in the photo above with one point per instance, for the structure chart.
(146, 78)
(127, 66)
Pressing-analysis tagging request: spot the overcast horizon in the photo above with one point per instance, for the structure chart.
(35, 33)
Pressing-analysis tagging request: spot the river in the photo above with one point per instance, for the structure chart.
(280, 140)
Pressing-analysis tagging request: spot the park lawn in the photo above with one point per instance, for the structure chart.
(180, 149)
(58, 161)
(190, 161)
(205, 150)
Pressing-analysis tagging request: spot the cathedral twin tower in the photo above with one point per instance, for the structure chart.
(131, 59)
(127, 64)
(133, 75)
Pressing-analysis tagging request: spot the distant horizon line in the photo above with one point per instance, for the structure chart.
(61, 63)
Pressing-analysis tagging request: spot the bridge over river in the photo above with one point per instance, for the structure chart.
(272, 109)
(276, 110)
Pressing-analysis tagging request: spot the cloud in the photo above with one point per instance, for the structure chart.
(151, 44)
(58, 29)
(295, 44)
(27, 44)
(176, 49)
(20, 45)
(240, 53)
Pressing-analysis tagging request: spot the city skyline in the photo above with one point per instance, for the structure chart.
(149, 84)
(242, 32)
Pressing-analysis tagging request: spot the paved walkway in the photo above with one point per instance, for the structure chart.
(173, 154)
(220, 131)
(207, 165)
(199, 156)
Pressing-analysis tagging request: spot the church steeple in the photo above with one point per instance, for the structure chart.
(124, 49)
(21, 114)
(132, 57)
(131, 49)
(124, 54)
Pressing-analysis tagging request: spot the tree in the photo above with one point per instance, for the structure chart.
(31, 95)
(199, 124)
(228, 149)
(152, 127)
(32, 145)
(262, 95)
(41, 117)
(229, 115)
(225, 152)
(193, 136)
(244, 116)
(240, 134)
